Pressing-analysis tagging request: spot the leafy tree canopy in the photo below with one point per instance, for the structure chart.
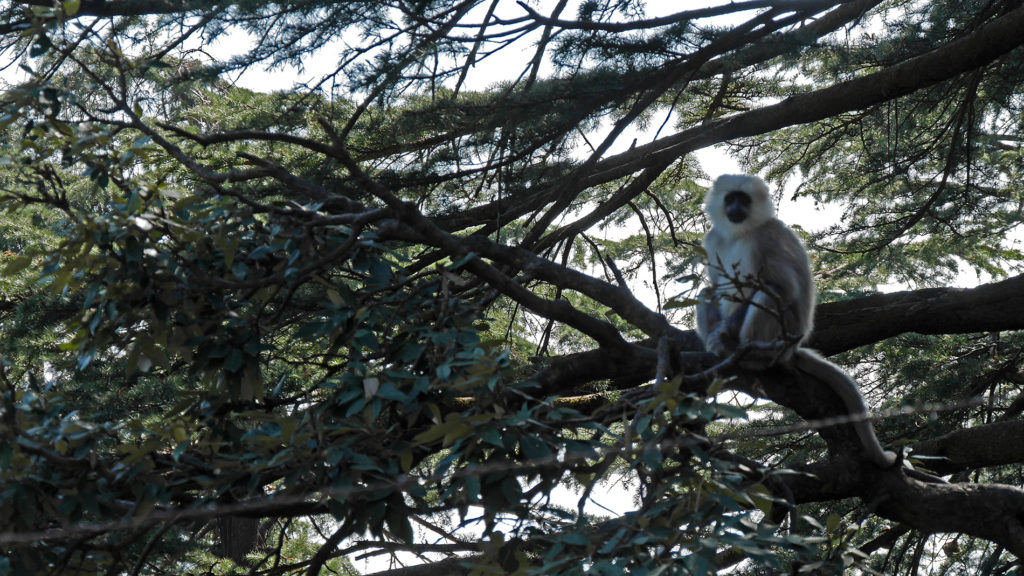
(395, 311)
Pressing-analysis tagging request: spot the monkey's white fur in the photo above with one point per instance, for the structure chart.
(760, 290)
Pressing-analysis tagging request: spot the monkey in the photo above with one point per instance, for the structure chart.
(760, 291)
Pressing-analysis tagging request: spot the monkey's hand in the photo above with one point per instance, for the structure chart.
(721, 342)
(763, 355)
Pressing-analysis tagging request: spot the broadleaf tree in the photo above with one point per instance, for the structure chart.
(432, 304)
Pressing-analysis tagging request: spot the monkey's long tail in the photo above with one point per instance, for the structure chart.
(812, 363)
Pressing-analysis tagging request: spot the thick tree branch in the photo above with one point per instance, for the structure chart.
(989, 445)
(926, 506)
(991, 511)
(111, 8)
(990, 41)
(603, 332)
(841, 326)
(994, 512)
(685, 16)
(513, 207)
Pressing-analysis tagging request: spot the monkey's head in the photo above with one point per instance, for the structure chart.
(738, 202)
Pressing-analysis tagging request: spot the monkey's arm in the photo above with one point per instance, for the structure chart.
(763, 322)
(761, 319)
(708, 315)
(720, 337)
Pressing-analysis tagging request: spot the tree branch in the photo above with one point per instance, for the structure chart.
(988, 445)
(759, 52)
(990, 41)
(684, 16)
(848, 324)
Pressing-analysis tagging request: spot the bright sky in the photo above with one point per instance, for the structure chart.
(506, 65)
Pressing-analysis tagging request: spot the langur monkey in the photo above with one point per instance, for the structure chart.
(760, 291)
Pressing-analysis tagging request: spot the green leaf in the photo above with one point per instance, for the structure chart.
(397, 519)
(681, 303)
(17, 265)
(832, 523)
(405, 460)
(490, 435)
(575, 539)
(761, 497)
(41, 46)
(450, 430)
(535, 449)
(511, 489)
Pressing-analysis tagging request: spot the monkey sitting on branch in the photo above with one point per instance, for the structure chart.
(761, 296)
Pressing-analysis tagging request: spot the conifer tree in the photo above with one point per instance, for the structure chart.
(432, 304)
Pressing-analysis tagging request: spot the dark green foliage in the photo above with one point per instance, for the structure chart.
(388, 312)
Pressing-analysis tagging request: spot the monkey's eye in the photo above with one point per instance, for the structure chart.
(737, 197)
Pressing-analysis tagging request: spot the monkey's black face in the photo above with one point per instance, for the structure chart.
(737, 206)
